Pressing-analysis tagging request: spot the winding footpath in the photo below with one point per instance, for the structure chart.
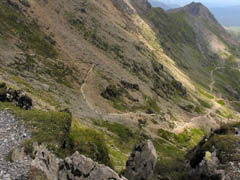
(12, 134)
(195, 121)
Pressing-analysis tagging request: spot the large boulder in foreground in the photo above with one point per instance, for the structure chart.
(46, 166)
(79, 167)
(141, 164)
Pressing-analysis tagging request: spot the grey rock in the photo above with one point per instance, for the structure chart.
(141, 164)
(77, 167)
(45, 163)
(18, 154)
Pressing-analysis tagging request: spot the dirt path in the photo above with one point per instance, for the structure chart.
(83, 86)
(193, 123)
(203, 119)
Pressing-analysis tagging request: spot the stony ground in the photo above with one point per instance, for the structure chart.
(11, 136)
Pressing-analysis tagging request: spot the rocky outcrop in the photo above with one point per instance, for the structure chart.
(79, 167)
(208, 168)
(48, 167)
(110, 92)
(17, 97)
(45, 164)
(216, 156)
(141, 163)
(129, 85)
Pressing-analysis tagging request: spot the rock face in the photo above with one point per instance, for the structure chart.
(142, 161)
(44, 165)
(12, 134)
(77, 167)
(16, 96)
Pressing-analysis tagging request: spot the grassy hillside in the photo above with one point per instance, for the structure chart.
(124, 77)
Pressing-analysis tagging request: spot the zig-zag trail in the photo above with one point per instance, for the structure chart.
(193, 123)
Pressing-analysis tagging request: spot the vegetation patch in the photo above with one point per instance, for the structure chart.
(170, 160)
(204, 93)
(89, 143)
(52, 128)
(187, 139)
(204, 103)
(221, 102)
(123, 132)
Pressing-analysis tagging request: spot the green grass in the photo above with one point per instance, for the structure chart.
(170, 160)
(123, 132)
(204, 103)
(221, 102)
(187, 139)
(51, 128)
(204, 93)
(89, 143)
(55, 130)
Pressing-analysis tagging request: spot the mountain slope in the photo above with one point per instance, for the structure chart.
(126, 70)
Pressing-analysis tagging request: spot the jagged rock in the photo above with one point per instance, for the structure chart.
(130, 85)
(46, 166)
(110, 92)
(18, 154)
(208, 168)
(141, 163)
(79, 167)
(18, 97)
(216, 156)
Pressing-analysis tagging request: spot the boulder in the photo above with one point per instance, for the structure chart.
(110, 92)
(18, 154)
(128, 85)
(141, 164)
(46, 166)
(79, 167)
(17, 97)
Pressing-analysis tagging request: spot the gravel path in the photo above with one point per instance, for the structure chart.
(12, 135)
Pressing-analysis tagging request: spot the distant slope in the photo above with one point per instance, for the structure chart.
(163, 5)
(199, 44)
